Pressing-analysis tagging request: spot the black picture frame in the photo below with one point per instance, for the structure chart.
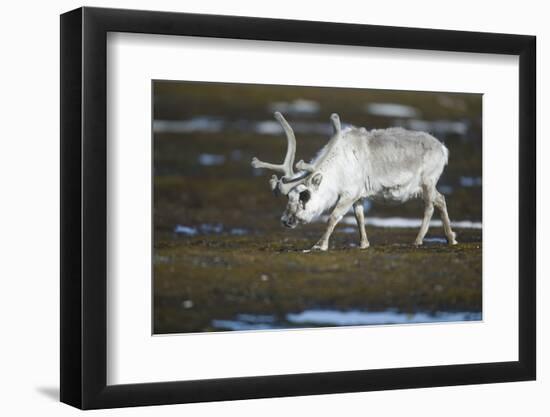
(84, 207)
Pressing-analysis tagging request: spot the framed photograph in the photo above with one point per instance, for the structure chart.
(258, 208)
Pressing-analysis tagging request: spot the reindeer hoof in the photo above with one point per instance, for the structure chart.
(317, 248)
(254, 162)
(453, 240)
(418, 243)
(364, 245)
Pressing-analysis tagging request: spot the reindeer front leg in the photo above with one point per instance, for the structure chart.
(358, 209)
(339, 211)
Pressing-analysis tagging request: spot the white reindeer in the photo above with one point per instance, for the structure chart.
(388, 165)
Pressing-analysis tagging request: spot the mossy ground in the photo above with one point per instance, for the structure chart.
(224, 276)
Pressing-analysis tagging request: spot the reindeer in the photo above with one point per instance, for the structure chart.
(387, 165)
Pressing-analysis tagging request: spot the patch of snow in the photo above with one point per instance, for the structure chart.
(391, 110)
(439, 127)
(186, 230)
(298, 106)
(196, 124)
(208, 159)
(356, 318)
(470, 181)
(401, 222)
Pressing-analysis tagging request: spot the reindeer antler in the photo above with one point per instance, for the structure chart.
(335, 119)
(288, 181)
(285, 184)
(286, 168)
(311, 168)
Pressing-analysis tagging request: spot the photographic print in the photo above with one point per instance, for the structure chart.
(287, 207)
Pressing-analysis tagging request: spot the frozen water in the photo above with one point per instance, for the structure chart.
(401, 222)
(209, 159)
(328, 317)
(391, 110)
(356, 317)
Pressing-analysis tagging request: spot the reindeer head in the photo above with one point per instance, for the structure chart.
(305, 202)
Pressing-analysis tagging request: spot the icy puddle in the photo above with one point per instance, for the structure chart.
(400, 222)
(331, 318)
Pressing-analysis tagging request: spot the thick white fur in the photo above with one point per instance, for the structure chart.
(389, 165)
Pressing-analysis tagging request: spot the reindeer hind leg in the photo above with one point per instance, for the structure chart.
(441, 205)
(428, 194)
(358, 210)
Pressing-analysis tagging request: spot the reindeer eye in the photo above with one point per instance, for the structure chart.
(305, 196)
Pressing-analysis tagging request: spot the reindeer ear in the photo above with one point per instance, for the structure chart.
(316, 180)
(274, 183)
